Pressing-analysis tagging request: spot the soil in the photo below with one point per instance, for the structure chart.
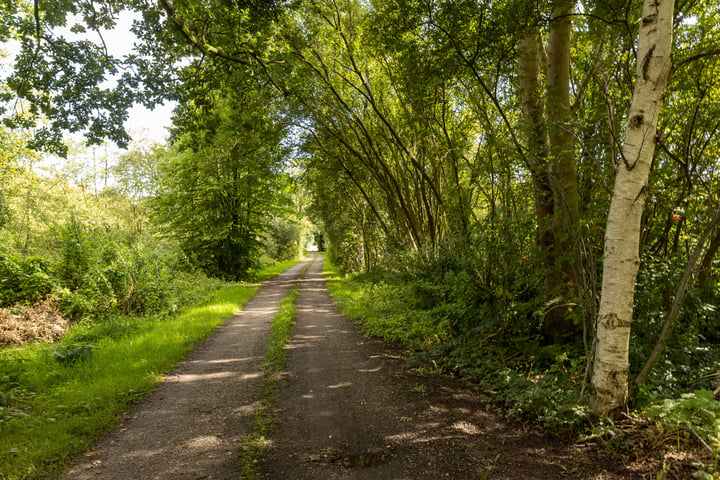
(345, 410)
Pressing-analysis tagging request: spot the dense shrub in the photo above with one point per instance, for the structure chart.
(96, 274)
(691, 352)
(24, 279)
(545, 398)
(142, 279)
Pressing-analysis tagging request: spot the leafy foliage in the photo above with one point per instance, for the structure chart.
(282, 241)
(530, 381)
(542, 399)
(216, 190)
(24, 280)
(698, 412)
(78, 249)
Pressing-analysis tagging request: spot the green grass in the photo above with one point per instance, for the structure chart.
(256, 442)
(52, 411)
(385, 310)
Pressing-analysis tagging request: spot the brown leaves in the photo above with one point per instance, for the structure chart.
(37, 323)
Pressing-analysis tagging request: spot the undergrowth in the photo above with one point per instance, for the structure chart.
(531, 381)
(383, 309)
(57, 399)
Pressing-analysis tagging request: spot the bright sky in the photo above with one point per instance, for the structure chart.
(152, 124)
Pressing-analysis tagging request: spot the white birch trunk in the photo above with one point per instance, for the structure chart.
(609, 383)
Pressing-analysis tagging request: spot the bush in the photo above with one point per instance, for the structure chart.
(24, 280)
(422, 314)
(691, 351)
(142, 279)
(102, 274)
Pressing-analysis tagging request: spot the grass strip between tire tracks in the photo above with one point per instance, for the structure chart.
(52, 411)
(256, 442)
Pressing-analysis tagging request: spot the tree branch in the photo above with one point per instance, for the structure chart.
(36, 12)
(583, 86)
(692, 58)
(204, 47)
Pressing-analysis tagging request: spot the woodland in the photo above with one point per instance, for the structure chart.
(523, 193)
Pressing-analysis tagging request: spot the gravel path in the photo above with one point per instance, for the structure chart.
(349, 411)
(346, 410)
(343, 414)
(191, 425)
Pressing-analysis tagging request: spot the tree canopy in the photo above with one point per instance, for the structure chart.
(476, 142)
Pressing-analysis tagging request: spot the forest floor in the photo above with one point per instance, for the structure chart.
(346, 409)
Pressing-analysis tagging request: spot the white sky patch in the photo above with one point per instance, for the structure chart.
(151, 124)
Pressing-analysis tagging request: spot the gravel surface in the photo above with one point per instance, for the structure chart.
(346, 410)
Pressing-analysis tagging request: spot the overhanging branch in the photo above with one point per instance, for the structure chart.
(697, 56)
(204, 47)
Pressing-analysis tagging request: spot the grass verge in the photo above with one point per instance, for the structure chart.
(384, 311)
(57, 400)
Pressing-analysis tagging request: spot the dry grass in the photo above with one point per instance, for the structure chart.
(37, 323)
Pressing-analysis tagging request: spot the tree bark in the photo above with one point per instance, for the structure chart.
(533, 109)
(609, 382)
(562, 170)
(560, 136)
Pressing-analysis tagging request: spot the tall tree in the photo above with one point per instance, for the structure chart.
(219, 184)
(622, 238)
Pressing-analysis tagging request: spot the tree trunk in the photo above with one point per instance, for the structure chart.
(551, 158)
(533, 109)
(609, 382)
(560, 132)
(562, 167)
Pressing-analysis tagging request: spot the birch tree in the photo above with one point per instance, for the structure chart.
(609, 382)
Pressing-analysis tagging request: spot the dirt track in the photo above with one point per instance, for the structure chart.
(191, 425)
(346, 410)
